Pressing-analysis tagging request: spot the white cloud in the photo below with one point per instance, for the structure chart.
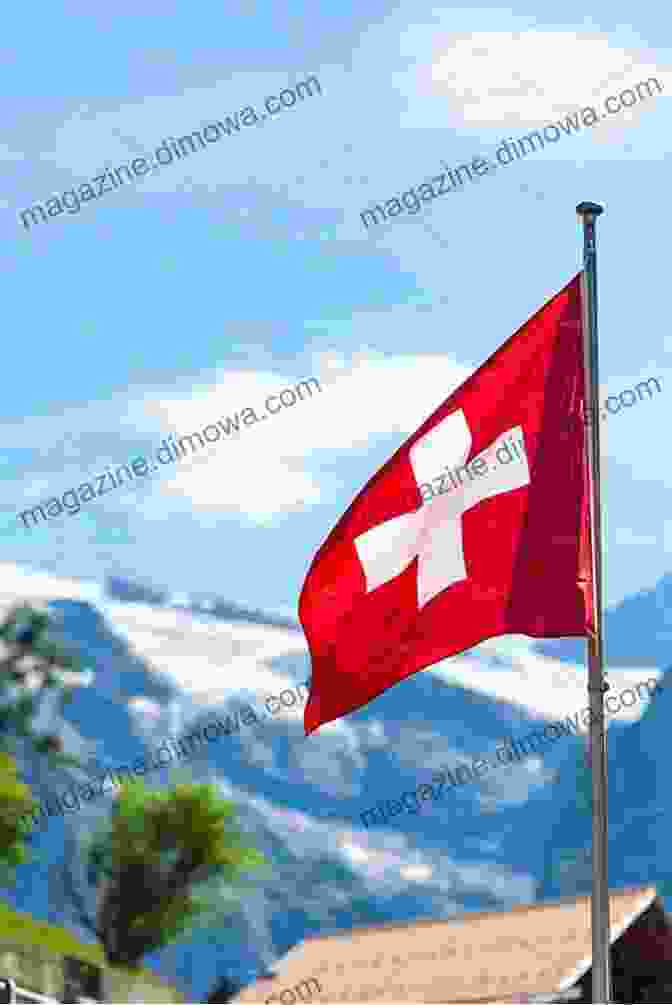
(274, 467)
(266, 469)
(505, 79)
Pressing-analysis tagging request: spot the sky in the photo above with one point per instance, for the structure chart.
(244, 268)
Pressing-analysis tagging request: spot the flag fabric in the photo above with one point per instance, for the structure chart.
(478, 526)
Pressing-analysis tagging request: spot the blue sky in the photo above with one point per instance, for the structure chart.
(245, 267)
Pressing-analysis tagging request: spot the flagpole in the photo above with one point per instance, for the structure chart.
(600, 929)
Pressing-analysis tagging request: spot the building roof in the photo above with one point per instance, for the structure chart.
(486, 956)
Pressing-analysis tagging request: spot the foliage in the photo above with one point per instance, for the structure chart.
(33, 664)
(159, 848)
(22, 930)
(16, 803)
(167, 861)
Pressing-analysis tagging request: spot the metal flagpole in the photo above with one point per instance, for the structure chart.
(589, 211)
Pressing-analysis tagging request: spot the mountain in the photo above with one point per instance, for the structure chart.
(127, 590)
(638, 631)
(167, 664)
(639, 811)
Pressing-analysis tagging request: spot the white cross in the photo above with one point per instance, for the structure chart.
(434, 531)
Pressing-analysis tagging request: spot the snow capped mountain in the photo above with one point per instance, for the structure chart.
(202, 656)
(164, 668)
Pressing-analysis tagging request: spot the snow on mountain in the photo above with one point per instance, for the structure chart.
(209, 660)
(511, 669)
(212, 661)
(21, 583)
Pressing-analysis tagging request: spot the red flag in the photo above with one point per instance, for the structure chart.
(478, 526)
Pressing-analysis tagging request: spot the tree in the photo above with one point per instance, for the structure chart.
(34, 667)
(16, 804)
(151, 862)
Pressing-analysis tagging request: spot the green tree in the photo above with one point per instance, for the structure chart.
(32, 664)
(16, 805)
(152, 862)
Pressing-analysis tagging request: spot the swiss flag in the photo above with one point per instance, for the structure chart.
(478, 526)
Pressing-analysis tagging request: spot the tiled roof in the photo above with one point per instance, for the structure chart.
(491, 956)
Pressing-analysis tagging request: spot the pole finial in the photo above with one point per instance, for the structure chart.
(589, 209)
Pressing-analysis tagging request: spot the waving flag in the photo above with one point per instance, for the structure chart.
(478, 526)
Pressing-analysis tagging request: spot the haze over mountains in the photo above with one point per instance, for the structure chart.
(165, 662)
